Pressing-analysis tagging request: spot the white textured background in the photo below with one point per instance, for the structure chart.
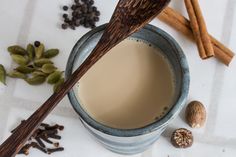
(214, 84)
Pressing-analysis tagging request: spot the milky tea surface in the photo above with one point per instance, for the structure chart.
(130, 87)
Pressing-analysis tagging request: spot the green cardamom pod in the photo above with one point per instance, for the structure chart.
(17, 74)
(39, 51)
(48, 68)
(31, 66)
(40, 73)
(42, 61)
(15, 49)
(57, 86)
(2, 74)
(54, 77)
(36, 80)
(31, 51)
(25, 69)
(19, 59)
(51, 53)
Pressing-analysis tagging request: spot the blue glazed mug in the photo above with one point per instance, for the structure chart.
(132, 141)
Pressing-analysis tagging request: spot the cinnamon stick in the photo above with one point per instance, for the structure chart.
(182, 24)
(198, 26)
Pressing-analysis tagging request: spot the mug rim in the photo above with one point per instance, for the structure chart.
(185, 80)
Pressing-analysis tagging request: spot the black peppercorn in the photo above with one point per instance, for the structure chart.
(71, 23)
(77, 23)
(91, 2)
(73, 7)
(90, 10)
(78, 11)
(84, 8)
(94, 8)
(64, 26)
(89, 15)
(79, 6)
(96, 18)
(65, 15)
(65, 8)
(74, 18)
(37, 43)
(82, 20)
(91, 21)
(86, 24)
(97, 13)
(74, 13)
(79, 16)
(72, 27)
(66, 20)
(93, 26)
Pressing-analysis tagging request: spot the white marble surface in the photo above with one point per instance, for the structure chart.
(211, 82)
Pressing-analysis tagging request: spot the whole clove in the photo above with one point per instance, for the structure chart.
(56, 144)
(49, 132)
(25, 149)
(44, 125)
(44, 138)
(37, 146)
(50, 151)
(84, 13)
(41, 136)
(56, 126)
(54, 136)
(40, 142)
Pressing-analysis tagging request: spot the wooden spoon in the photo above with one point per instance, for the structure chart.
(128, 17)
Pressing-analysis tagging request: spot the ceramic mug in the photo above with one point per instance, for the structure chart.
(132, 141)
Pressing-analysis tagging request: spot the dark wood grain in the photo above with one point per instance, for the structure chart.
(128, 17)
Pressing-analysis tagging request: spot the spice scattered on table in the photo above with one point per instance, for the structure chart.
(182, 138)
(199, 28)
(182, 24)
(34, 65)
(195, 114)
(37, 43)
(65, 8)
(45, 135)
(84, 13)
(2, 74)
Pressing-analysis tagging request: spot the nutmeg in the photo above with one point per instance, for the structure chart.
(182, 138)
(195, 114)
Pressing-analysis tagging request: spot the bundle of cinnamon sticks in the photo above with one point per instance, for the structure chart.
(196, 29)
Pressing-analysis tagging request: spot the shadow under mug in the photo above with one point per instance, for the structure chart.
(132, 141)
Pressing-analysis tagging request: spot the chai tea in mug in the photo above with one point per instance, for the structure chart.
(130, 87)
